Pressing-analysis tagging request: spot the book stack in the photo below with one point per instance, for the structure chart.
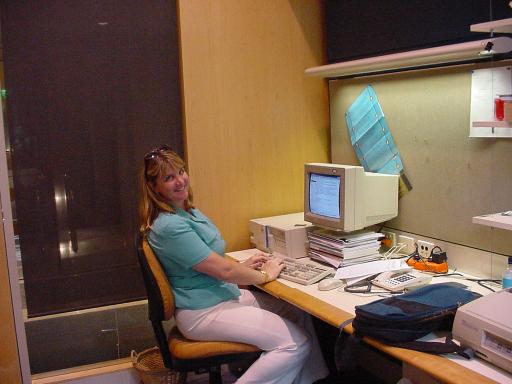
(341, 249)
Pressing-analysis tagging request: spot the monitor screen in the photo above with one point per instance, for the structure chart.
(324, 195)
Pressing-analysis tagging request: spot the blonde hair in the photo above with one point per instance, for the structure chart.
(156, 163)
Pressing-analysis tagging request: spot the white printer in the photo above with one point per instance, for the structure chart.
(285, 235)
(485, 325)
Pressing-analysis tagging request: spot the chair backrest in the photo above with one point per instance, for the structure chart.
(160, 296)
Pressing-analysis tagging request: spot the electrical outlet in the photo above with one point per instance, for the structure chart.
(390, 237)
(424, 248)
(408, 242)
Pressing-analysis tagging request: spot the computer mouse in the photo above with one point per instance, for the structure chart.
(328, 284)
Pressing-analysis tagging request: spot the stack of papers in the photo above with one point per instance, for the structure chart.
(343, 249)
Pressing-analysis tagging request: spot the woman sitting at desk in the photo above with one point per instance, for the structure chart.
(209, 305)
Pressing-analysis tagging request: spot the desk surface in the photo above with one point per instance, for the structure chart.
(334, 307)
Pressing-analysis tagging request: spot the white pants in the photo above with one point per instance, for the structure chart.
(291, 350)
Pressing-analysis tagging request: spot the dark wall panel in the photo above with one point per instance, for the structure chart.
(365, 28)
(91, 85)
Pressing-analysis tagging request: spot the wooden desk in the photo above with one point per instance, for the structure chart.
(328, 306)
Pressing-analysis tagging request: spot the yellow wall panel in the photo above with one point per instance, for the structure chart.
(252, 118)
(9, 365)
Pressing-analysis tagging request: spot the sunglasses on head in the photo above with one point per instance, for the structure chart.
(157, 151)
(154, 153)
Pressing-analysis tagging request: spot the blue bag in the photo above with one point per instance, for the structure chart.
(412, 315)
(400, 320)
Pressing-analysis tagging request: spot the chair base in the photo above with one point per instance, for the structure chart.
(237, 365)
(206, 364)
(238, 368)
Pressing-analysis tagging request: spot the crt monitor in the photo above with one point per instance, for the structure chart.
(346, 198)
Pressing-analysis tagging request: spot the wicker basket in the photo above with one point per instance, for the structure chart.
(151, 369)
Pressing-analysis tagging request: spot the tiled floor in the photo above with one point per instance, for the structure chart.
(104, 334)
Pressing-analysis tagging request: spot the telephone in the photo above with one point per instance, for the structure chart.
(395, 281)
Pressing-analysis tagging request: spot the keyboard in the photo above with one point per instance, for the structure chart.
(302, 273)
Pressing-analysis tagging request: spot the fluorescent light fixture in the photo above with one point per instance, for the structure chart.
(446, 54)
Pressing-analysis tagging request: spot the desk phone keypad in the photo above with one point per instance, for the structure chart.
(400, 279)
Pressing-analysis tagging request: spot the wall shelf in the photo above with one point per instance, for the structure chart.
(443, 55)
(498, 26)
(496, 220)
(495, 124)
(498, 129)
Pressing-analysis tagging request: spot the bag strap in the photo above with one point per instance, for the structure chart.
(347, 349)
(437, 347)
(345, 323)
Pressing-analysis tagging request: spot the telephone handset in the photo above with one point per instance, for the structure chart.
(395, 281)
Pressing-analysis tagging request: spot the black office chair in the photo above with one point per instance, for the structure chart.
(178, 352)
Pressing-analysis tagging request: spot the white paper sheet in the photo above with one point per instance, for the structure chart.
(371, 268)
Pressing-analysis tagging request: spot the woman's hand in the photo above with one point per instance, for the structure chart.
(256, 261)
(243, 273)
(273, 268)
